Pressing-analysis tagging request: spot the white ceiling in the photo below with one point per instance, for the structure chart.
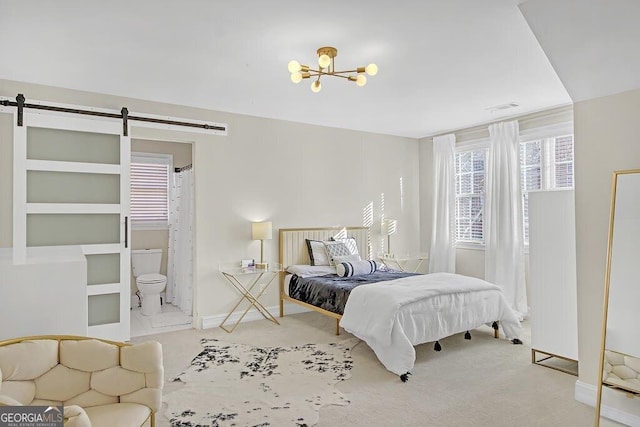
(593, 45)
(442, 64)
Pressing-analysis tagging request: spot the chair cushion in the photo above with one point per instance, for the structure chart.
(118, 415)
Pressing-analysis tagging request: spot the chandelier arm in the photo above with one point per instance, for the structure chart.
(346, 71)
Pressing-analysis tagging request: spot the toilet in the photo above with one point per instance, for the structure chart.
(150, 283)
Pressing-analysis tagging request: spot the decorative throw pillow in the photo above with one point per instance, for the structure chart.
(356, 268)
(317, 252)
(336, 249)
(350, 242)
(346, 258)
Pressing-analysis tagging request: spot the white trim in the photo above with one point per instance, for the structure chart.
(99, 249)
(470, 246)
(72, 208)
(132, 123)
(125, 252)
(157, 158)
(75, 123)
(79, 167)
(586, 393)
(549, 131)
(103, 289)
(472, 145)
(214, 320)
(19, 187)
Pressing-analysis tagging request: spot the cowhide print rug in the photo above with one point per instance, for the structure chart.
(241, 385)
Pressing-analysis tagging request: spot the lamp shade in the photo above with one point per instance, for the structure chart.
(388, 227)
(261, 230)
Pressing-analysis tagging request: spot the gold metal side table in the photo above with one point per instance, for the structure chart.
(407, 263)
(244, 280)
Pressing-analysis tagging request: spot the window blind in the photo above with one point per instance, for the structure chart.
(149, 193)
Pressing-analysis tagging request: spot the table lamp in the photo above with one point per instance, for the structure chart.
(387, 228)
(261, 231)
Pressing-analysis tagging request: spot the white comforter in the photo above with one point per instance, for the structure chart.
(395, 315)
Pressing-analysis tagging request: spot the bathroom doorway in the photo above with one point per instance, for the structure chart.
(157, 190)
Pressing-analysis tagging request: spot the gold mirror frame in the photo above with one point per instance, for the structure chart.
(605, 305)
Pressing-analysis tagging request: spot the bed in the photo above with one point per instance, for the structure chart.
(393, 311)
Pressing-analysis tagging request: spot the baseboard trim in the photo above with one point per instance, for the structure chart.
(213, 321)
(587, 393)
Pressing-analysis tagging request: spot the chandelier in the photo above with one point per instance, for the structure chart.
(326, 64)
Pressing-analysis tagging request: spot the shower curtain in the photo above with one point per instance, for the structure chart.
(180, 263)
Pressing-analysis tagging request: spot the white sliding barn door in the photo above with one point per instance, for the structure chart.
(71, 188)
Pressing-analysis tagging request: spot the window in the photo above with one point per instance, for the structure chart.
(545, 164)
(150, 190)
(470, 195)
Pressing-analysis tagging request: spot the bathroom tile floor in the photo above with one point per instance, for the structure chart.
(144, 325)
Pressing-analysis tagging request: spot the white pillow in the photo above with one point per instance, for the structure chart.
(317, 252)
(350, 243)
(306, 270)
(347, 258)
(336, 249)
(356, 268)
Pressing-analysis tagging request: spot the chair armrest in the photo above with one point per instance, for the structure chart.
(8, 401)
(75, 416)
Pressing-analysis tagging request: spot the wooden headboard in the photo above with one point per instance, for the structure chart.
(293, 247)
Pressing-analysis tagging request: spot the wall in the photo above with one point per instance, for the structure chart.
(147, 239)
(606, 139)
(295, 175)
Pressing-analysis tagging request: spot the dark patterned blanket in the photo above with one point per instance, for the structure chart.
(331, 291)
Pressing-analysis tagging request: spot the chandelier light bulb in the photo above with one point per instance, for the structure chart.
(371, 69)
(296, 77)
(324, 61)
(316, 86)
(294, 66)
(361, 80)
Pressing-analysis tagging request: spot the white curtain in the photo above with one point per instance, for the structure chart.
(180, 263)
(442, 256)
(503, 227)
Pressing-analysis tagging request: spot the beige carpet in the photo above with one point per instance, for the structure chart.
(482, 382)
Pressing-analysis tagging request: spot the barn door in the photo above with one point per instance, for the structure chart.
(71, 187)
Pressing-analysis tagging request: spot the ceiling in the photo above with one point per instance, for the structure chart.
(592, 45)
(443, 65)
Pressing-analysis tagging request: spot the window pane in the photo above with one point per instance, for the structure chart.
(470, 195)
(564, 161)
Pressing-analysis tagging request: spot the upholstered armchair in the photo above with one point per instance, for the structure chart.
(99, 382)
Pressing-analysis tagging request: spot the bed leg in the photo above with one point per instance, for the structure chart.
(496, 333)
(405, 377)
(337, 326)
(467, 335)
(281, 307)
(437, 346)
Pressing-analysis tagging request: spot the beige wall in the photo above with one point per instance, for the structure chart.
(607, 134)
(295, 175)
(148, 239)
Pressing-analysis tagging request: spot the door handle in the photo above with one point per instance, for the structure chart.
(126, 231)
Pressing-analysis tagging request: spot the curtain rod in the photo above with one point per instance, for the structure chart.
(124, 115)
(183, 168)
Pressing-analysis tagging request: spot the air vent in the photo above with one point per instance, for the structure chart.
(504, 107)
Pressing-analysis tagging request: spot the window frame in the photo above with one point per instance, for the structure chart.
(542, 133)
(152, 158)
(467, 146)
